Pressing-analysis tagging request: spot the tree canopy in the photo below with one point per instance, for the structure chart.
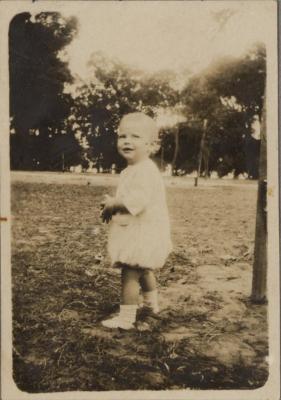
(38, 105)
(229, 93)
(115, 90)
(53, 129)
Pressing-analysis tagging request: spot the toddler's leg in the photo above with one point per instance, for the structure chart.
(149, 288)
(129, 300)
(130, 278)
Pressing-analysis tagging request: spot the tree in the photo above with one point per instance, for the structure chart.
(99, 106)
(228, 94)
(38, 104)
(113, 91)
(202, 103)
(241, 82)
(242, 79)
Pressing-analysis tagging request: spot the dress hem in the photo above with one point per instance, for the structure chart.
(119, 264)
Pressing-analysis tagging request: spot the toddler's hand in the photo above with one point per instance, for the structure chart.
(107, 208)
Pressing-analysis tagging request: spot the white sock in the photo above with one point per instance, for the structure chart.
(150, 299)
(128, 313)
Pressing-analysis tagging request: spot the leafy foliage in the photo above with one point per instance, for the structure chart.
(242, 78)
(115, 90)
(53, 130)
(228, 95)
(38, 106)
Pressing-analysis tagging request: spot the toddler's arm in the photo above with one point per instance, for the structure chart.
(111, 206)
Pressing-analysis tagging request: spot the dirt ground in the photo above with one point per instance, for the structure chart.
(208, 335)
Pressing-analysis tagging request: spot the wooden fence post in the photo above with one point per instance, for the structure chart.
(260, 252)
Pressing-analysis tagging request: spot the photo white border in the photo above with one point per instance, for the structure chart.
(271, 389)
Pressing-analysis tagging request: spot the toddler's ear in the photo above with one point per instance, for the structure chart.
(155, 146)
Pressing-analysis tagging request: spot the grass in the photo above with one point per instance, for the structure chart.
(63, 286)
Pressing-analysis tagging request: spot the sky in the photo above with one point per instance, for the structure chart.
(176, 35)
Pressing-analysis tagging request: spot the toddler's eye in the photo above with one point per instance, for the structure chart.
(136, 136)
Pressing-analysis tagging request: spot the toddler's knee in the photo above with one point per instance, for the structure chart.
(130, 272)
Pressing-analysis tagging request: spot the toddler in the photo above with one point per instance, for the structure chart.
(139, 231)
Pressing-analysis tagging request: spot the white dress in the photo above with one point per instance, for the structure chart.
(141, 238)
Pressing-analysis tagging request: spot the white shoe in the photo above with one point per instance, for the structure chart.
(117, 322)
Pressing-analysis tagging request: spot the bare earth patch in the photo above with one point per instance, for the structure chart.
(207, 335)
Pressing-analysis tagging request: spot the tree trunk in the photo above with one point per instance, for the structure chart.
(162, 158)
(260, 252)
(175, 151)
(206, 155)
(201, 151)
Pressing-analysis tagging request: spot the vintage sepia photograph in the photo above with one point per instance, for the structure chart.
(139, 192)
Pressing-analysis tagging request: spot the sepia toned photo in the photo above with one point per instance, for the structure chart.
(139, 200)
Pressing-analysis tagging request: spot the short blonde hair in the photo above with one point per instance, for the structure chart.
(146, 122)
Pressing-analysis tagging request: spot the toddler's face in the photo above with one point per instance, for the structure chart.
(133, 141)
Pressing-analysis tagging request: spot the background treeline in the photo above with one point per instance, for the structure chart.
(56, 125)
